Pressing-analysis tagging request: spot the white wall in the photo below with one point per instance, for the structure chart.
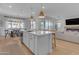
(60, 25)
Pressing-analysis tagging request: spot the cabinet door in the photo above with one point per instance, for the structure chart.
(26, 39)
(50, 43)
(43, 44)
(32, 42)
(35, 45)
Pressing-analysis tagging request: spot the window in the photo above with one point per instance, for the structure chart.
(41, 25)
(9, 25)
(15, 24)
(33, 25)
(58, 25)
(47, 25)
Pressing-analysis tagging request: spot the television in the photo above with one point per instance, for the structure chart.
(74, 21)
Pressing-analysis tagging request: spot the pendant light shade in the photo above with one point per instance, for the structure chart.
(42, 13)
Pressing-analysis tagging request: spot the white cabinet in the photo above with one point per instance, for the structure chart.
(26, 39)
(32, 42)
(38, 44)
(43, 44)
(29, 40)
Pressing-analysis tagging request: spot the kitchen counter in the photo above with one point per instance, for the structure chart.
(40, 32)
(39, 42)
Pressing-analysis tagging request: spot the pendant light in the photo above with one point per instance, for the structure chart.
(42, 12)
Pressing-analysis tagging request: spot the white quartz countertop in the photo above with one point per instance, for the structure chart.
(40, 32)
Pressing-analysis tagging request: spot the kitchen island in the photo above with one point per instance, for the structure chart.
(39, 42)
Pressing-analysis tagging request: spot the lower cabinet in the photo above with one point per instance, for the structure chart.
(26, 39)
(38, 44)
(43, 44)
(32, 43)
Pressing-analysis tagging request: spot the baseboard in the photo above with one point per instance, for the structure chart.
(68, 41)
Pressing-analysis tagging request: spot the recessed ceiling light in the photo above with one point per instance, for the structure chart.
(10, 6)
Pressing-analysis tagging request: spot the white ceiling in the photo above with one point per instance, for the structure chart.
(58, 10)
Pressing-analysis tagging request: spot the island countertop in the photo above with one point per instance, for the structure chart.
(40, 32)
(38, 42)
